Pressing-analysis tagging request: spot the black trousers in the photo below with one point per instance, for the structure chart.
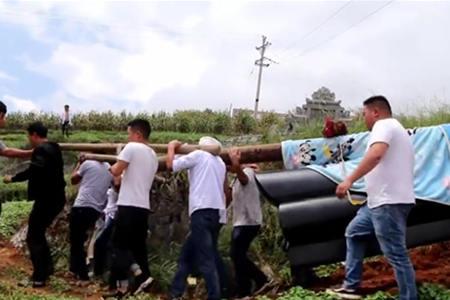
(129, 241)
(41, 217)
(246, 271)
(65, 128)
(103, 248)
(82, 219)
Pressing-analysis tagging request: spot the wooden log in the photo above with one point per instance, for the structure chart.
(249, 154)
(114, 148)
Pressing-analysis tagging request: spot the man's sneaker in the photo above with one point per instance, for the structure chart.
(143, 285)
(31, 283)
(345, 293)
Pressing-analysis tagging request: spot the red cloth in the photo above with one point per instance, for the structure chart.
(332, 129)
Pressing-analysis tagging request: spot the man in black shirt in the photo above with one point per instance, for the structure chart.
(46, 187)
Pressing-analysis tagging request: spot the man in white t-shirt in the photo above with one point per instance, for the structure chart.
(66, 121)
(137, 163)
(247, 221)
(208, 191)
(94, 179)
(388, 169)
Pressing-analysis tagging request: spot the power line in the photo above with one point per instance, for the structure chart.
(343, 32)
(323, 23)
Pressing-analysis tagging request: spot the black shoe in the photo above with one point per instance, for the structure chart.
(115, 294)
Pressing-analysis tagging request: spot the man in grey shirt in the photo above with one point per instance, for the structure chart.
(247, 221)
(94, 179)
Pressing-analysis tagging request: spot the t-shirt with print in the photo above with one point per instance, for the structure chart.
(206, 179)
(392, 179)
(95, 181)
(246, 201)
(138, 176)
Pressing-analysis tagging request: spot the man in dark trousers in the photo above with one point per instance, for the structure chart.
(66, 121)
(94, 179)
(137, 164)
(46, 187)
(208, 192)
(247, 221)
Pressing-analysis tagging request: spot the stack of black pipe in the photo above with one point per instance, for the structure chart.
(313, 219)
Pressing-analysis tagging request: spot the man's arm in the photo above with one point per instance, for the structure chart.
(75, 177)
(369, 162)
(171, 148)
(19, 177)
(118, 168)
(227, 191)
(16, 153)
(235, 157)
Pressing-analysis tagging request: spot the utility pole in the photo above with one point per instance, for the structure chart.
(261, 63)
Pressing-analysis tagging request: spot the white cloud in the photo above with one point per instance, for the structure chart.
(19, 104)
(170, 55)
(6, 76)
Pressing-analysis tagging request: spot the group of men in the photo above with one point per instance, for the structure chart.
(387, 168)
(121, 195)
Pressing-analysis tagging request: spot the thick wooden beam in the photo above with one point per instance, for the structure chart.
(113, 148)
(249, 154)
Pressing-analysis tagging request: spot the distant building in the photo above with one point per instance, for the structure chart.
(321, 104)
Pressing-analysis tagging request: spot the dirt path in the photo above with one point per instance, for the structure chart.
(432, 265)
(15, 267)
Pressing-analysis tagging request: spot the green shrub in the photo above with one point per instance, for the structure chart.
(243, 123)
(14, 214)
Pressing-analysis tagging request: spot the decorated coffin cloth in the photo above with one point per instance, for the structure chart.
(337, 157)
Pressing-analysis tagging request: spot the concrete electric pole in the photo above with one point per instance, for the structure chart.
(261, 63)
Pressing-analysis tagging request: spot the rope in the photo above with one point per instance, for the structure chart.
(344, 173)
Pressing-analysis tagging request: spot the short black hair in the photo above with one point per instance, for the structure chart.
(380, 102)
(67, 105)
(141, 125)
(3, 108)
(38, 128)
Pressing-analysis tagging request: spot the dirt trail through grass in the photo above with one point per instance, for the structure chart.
(15, 268)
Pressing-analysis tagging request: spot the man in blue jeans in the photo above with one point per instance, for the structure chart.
(208, 189)
(388, 169)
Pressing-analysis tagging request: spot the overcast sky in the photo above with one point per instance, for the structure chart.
(155, 56)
